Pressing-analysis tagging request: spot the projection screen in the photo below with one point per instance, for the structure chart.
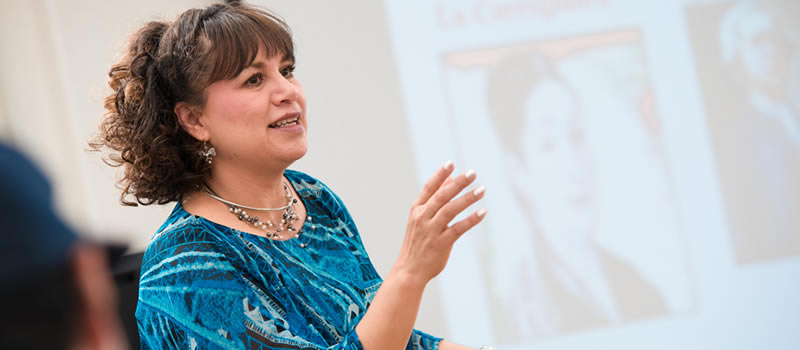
(643, 159)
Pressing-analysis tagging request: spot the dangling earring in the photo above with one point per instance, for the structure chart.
(208, 152)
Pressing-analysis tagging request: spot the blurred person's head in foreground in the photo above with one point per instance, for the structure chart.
(56, 290)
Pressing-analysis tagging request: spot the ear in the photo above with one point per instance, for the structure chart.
(191, 119)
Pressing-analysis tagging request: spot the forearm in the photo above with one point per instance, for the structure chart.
(389, 321)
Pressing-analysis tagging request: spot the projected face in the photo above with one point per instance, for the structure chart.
(557, 160)
(763, 51)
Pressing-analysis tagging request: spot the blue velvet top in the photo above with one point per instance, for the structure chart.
(208, 286)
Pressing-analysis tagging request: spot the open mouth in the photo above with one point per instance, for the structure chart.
(285, 123)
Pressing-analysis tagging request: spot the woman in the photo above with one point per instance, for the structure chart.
(206, 112)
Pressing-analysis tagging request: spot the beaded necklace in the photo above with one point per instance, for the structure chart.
(286, 224)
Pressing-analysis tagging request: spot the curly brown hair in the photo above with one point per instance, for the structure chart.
(170, 62)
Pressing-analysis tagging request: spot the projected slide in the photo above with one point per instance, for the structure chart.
(637, 155)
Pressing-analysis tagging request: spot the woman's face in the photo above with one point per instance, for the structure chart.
(764, 50)
(258, 118)
(557, 160)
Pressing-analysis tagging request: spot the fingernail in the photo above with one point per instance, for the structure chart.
(482, 212)
(470, 174)
(447, 165)
(479, 191)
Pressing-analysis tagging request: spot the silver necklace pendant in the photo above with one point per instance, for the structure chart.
(286, 222)
(270, 231)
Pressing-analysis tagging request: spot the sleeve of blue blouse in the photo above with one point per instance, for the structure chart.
(419, 340)
(194, 298)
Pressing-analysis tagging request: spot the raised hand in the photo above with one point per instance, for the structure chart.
(429, 239)
(429, 235)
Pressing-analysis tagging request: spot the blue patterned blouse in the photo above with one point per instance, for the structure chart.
(208, 286)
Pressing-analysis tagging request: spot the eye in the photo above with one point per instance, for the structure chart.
(288, 72)
(255, 79)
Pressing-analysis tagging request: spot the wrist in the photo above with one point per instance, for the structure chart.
(406, 279)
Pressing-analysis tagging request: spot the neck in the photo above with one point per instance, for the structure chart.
(251, 187)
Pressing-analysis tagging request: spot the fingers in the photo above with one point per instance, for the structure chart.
(446, 181)
(446, 193)
(434, 183)
(450, 210)
(459, 228)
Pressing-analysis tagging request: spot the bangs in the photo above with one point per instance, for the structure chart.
(235, 37)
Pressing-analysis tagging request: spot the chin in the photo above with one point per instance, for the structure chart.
(295, 154)
(300, 154)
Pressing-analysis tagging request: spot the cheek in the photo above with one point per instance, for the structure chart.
(301, 96)
(219, 104)
(237, 109)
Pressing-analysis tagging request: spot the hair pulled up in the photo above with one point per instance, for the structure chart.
(170, 62)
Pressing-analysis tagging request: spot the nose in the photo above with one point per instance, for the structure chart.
(283, 91)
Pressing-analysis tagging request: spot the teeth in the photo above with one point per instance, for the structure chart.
(283, 123)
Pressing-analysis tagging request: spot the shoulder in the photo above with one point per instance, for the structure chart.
(312, 188)
(186, 235)
(306, 184)
(322, 200)
(625, 280)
